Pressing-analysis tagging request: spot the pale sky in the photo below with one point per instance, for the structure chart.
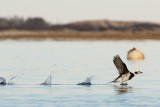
(64, 11)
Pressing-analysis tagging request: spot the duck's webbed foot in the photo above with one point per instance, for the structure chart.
(123, 83)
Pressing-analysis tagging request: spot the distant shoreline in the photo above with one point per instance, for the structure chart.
(77, 35)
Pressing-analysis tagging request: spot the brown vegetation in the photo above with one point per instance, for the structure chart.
(38, 28)
(108, 35)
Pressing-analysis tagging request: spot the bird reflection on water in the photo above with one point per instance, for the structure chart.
(123, 89)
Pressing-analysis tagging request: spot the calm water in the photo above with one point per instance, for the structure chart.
(71, 62)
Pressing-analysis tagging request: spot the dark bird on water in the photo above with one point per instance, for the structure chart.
(124, 73)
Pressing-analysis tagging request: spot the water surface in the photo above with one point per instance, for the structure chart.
(72, 61)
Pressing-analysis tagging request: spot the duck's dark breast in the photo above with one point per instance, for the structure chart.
(131, 75)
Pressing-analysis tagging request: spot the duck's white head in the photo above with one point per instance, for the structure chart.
(138, 72)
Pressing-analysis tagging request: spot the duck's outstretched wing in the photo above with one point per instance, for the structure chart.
(121, 67)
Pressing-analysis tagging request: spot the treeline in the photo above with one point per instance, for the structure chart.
(38, 23)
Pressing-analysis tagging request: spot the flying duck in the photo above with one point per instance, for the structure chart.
(124, 73)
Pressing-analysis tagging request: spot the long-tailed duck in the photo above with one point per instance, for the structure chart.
(124, 73)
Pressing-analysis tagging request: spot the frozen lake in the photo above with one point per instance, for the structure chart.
(31, 62)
